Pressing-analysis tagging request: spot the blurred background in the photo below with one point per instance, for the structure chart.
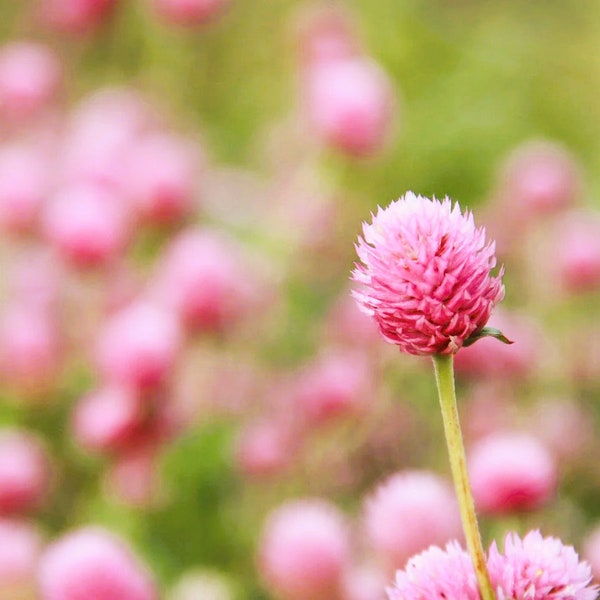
(182, 183)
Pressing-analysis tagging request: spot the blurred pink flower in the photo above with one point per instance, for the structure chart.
(304, 549)
(20, 549)
(534, 568)
(539, 178)
(265, 448)
(203, 277)
(326, 32)
(30, 80)
(539, 568)
(437, 573)
(34, 278)
(107, 418)
(364, 582)
(93, 563)
(189, 12)
(139, 346)
(577, 265)
(335, 385)
(102, 134)
(502, 481)
(75, 16)
(30, 348)
(161, 178)
(408, 512)
(426, 275)
(24, 185)
(88, 226)
(350, 104)
(24, 472)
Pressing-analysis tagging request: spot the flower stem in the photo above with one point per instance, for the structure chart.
(444, 376)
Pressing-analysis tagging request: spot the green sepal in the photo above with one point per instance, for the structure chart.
(486, 332)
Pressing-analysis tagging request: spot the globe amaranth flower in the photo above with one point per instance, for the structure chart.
(532, 568)
(425, 275)
(538, 568)
(437, 573)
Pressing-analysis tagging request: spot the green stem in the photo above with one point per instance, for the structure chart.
(444, 376)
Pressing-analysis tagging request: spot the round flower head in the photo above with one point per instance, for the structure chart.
(91, 563)
(409, 512)
(437, 573)
(304, 549)
(502, 481)
(537, 568)
(426, 275)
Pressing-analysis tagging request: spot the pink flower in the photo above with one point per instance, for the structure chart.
(92, 563)
(409, 512)
(24, 185)
(304, 549)
(364, 582)
(203, 278)
(139, 346)
(437, 573)
(337, 384)
(75, 16)
(326, 32)
(534, 568)
(539, 178)
(102, 135)
(350, 104)
(425, 275)
(30, 348)
(87, 225)
(502, 481)
(24, 472)
(577, 265)
(30, 79)
(107, 418)
(160, 178)
(265, 448)
(538, 568)
(189, 12)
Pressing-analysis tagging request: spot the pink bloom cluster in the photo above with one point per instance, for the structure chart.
(348, 98)
(425, 275)
(532, 568)
(92, 563)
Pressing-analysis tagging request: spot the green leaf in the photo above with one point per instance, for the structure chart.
(487, 332)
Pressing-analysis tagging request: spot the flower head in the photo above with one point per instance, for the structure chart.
(93, 563)
(437, 573)
(502, 481)
(538, 568)
(409, 512)
(425, 275)
(304, 550)
(532, 568)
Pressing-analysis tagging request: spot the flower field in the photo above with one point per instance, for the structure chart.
(234, 236)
